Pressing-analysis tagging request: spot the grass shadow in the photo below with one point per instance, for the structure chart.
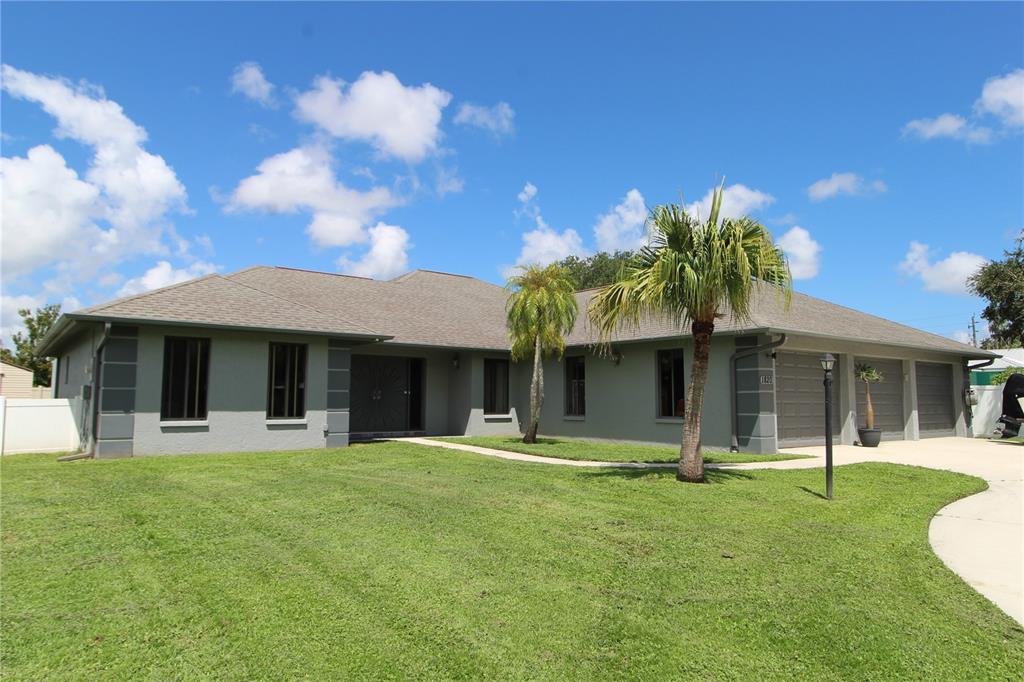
(812, 492)
(710, 475)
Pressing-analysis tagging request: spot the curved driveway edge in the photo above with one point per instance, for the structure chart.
(980, 538)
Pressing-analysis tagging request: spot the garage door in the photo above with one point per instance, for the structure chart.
(800, 399)
(935, 415)
(886, 397)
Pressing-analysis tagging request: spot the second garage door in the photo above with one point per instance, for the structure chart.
(800, 399)
(886, 397)
(935, 414)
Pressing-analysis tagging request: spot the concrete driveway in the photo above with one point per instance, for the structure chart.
(981, 537)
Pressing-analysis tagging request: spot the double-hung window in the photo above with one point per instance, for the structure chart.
(186, 378)
(286, 385)
(671, 388)
(495, 386)
(575, 386)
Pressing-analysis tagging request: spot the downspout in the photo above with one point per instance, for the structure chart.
(746, 352)
(97, 369)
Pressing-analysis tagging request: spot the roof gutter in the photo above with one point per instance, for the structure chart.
(228, 327)
(986, 363)
(746, 352)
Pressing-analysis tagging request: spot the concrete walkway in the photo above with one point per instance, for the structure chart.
(980, 538)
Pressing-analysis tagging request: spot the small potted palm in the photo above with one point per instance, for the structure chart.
(869, 436)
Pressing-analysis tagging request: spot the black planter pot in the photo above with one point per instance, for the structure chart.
(870, 438)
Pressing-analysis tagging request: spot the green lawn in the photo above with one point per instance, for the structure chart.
(392, 560)
(605, 451)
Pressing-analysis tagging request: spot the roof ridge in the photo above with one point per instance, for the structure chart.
(323, 272)
(304, 305)
(144, 294)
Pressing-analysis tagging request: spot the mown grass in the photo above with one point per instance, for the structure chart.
(391, 560)
(607, 451)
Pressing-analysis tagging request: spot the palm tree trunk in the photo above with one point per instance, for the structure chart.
(691, 459)
(536, 395)
(871, 408)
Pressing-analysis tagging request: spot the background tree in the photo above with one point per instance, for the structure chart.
(541, 310)
(1002, 283)
(595, 271)
(692, 272)
(36, 326)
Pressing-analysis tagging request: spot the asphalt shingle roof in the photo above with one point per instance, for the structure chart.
(438, 309)
(217, 301)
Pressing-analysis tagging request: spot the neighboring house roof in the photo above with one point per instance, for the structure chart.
(1011, 357)
(427, 308)
(5, 363)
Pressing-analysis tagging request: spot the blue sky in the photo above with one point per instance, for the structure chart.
(882, 144)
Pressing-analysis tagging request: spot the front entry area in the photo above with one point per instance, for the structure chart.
(387, 395)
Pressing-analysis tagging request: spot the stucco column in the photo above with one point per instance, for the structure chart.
(959, 407)
(847, 400)
(911, 429)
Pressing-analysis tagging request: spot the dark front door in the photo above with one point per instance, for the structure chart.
(386, 394)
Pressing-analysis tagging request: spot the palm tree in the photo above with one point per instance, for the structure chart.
(692, 272)
(541, 310)
(868, 375)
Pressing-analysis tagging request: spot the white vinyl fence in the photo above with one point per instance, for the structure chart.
(39, 425)
(988, 409)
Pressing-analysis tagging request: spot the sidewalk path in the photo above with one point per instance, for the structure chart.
(980, 538)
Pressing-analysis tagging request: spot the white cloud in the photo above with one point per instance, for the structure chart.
(387, 256)
(448, 181)
(117, 209)
(802, 251)
(248, 79)
(947, 125)
(400, 121)
(163, 274)
(303, 179)
(948, 275)
(10, 321)
(737, 200)
(529, 192)
(844, 183)
(498, 119)
(45, 207)
(961, 335)
(623, 227)
(545, 245)
(1003, 97)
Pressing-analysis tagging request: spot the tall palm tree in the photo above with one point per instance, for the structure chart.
(693, 272)
(541, 310)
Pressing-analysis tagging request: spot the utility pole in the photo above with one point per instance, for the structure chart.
(974, 330)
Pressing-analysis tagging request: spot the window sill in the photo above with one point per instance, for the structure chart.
(184, 424)
(286, 422)
(574, 418)
(498, 417)
(668, 420)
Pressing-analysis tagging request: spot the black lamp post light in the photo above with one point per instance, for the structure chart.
(828, 362)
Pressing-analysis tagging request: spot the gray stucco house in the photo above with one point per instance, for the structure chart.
(273, 358)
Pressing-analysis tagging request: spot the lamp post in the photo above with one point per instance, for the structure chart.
(828, 361)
